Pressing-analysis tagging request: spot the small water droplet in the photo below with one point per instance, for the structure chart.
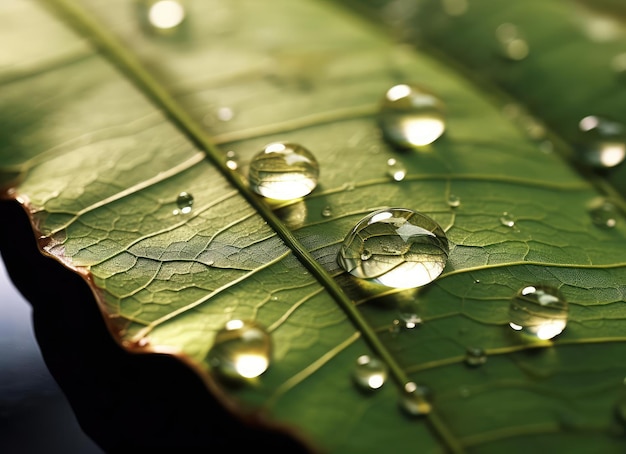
(408, 249)
(231, 160)
(411, 116)
(241, 350)
(475, 356)
(327, 211)
(283, 171)
(604, 214)
(370, 373)
(366, 255)
(184, 201)
(512, 44)
(225, 114)
(538, 311)
(601, 143)
(395, 327)
(395, 169)
(507, 219)
(166, 15)
(410, 320)
(454, 201)
(414, 400)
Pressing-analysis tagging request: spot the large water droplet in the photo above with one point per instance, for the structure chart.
(241, 350)
(370, 373)
(539, 311)
(395, 169)
(507, 219)
(166, 15)
(512, 44)
(602, 142)
(283, 171)
(604, 214)
(184, 201)
(411, 116)
(414, 400)
(475, 356)
(404, 248)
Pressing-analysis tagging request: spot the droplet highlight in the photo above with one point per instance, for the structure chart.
(507, 219)
(395, 169)
(396, 247)
(166, 15)
(411, 116)
(184, 201)
(414, 400)
(370, 373)
(241, 350)
(410, 320)
(602, 142)
(475, 356)
(232, 160)
(538, 311)
(512, 44)
(283, 171)
(604, 215)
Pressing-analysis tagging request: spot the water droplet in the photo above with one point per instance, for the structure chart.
(507, 219)
(411, 116)
(366, 255)
(370, 373)
(454, 201)
(475, 356)
(184, 201)
(512, 44)
(602, 142)
(394, 329)
(327, 211)
(225, 114)
(166, 15)
(241, 350)
(410, 320)
(395, 169)
(414, 400)
(408, 249)
(231, 160)
(604, 214)
(539, 311)
(283, 171)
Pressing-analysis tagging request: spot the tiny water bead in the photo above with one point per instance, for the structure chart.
(370, 373)
(414, 400)
(184, 201)
(475, 356)
(241, 350)
(232, 160)
(411, 116)
(604, 214)
(507, 219)
(454, 201)
(538, 311)
(395, 169)
(410, 320)
(602, 142)
(283, 171)
(166, 15)
(512, 44)
(396, 247)
(327, 211)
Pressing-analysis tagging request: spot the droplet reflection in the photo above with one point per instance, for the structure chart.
(166, 14)
(370, 373)
(184, 201)
(414, 400)
(602, 142)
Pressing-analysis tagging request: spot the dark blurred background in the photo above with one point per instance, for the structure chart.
(35, 417)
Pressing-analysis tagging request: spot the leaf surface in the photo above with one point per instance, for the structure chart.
(107, 122)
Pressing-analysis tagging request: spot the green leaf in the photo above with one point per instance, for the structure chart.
(105, 122)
